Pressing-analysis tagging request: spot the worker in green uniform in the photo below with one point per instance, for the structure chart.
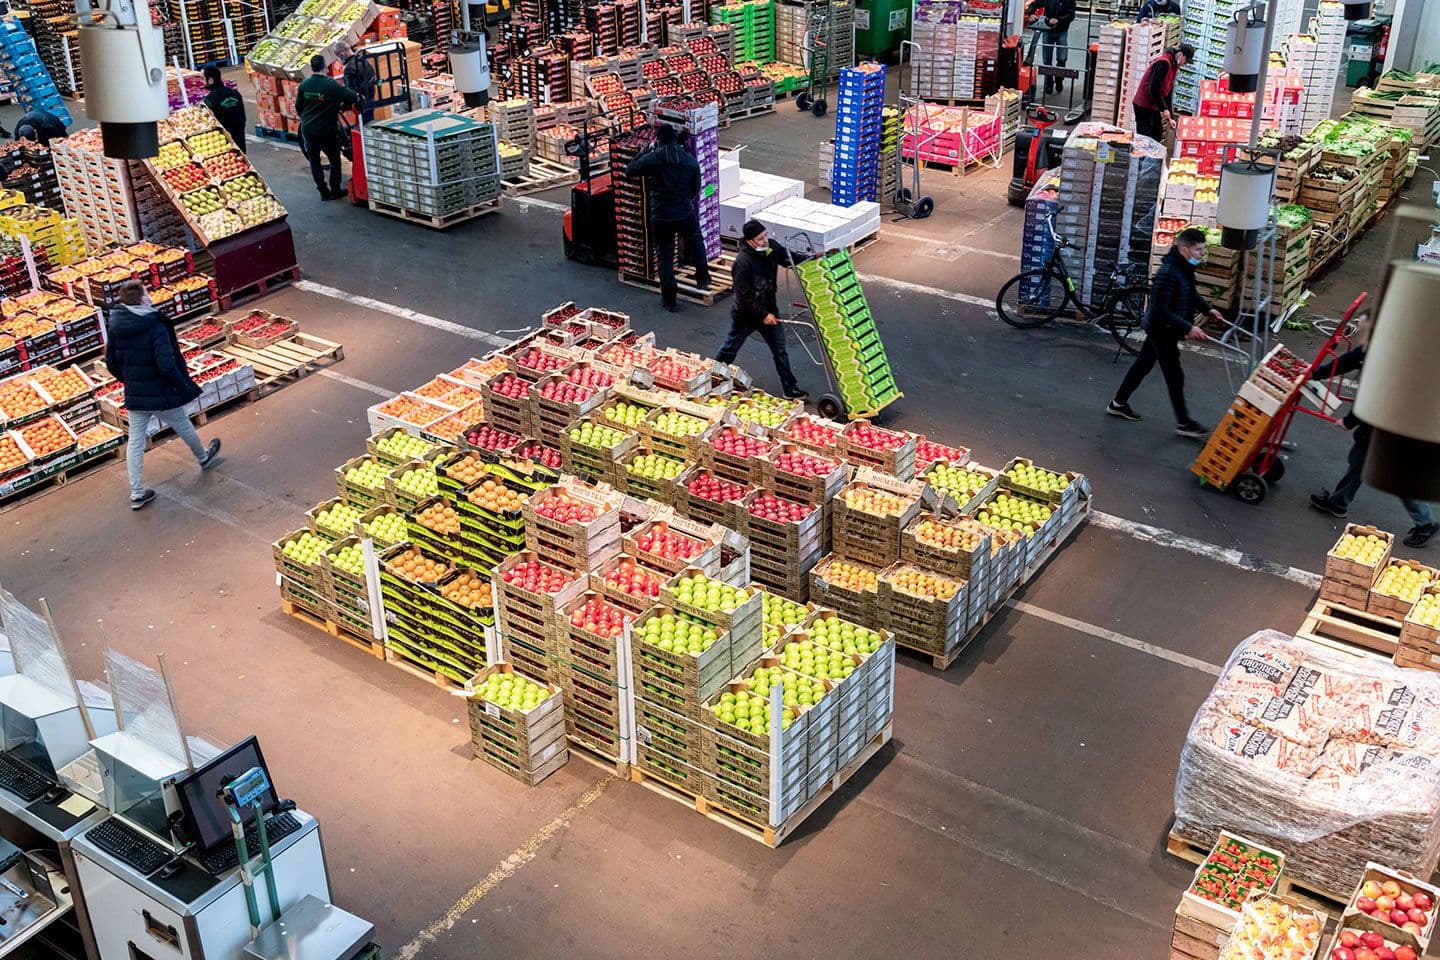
(319, 102)
(227, 106)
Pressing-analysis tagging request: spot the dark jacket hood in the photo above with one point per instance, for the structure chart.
(128, 321)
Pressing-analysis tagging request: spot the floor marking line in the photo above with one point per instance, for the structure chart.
(537, 202)
(905, 286)
(505, 869)
(404, 313)
(1226, 555)
(1102, 633)
(365, 385)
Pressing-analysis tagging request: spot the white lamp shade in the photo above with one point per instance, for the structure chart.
(1244, 52)
(1400, 386)
(1244, 207)
(467, 66)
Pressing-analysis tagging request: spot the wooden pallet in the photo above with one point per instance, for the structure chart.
(688, 290)
(337, 630)
(259, 288)
(745, 113)
(431, 220)
(1328, 903)
(63, 477)
(1341, 627)
(864, 243)
(286, 359)
(943, 661)
(745, 824)
(544, 175)
(270, 133)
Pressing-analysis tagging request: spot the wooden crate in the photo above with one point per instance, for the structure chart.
(1353, 572)
(1419, 642)
(668, 732)
(633, 602)
(1233, 444)
(927, 624)
(812, 489)
(747, 470)
(954, 561)
(576, 546)
(659, 489)
(707, 536)
(1391, 607)
(527, 744)
(728, 513)
(898, 463)
(686, 447)
(679, 681)
(863, 607)
(865, 536)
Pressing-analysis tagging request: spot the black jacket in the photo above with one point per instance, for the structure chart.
(1338, 367)
(674, 181)
(41, 127)
(143, 354)
(1154, 9)
(755, 275)
(1061, 11)
(360, 77)
(1174, 301)
(229, 109)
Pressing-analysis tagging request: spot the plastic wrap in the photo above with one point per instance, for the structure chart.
(144, 704)
(35, 647)
(1332, 758)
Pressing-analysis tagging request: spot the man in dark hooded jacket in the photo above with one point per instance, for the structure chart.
(756, 279)
(141, 351)
(674, 179)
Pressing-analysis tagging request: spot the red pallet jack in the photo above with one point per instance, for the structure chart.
(1037, 149)
(590, 234)
(1267, 465)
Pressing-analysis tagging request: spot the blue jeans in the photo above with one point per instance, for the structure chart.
(1056, 44)
(139, 429)
(1349, 484)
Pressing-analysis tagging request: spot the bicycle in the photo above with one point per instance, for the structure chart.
(1033, 298)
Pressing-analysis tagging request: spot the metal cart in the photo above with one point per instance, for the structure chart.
(818, 42)
(1317, 398)
(811, 338)
(908, 201)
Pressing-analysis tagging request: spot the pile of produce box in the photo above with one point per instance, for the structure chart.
(432, 163)
(168, 273)
(211, 183)
(859, 104)
(1290, 267)
(41, 327)
(1320, 780)
(950, 62)
(752, 24)
(794, 19)
(689, 617)
(316, 26)
(49, 422)
(1210, 906)
(58, 238)
(518, 724)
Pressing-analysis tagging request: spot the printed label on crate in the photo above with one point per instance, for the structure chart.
(643, 735)
(492, 709)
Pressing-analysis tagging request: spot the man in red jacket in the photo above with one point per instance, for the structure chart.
(1153, 100)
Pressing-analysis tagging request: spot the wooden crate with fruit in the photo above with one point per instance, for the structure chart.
(628, 582)
(813, 433)
(848, 587)
(957, 546)
(434, 523)
(333, 518)
(671, 542)
(733, 609)
(678, 660)
(361, 480)
(1398, 587)
(1234, 868)
(297, 557)
(1354, 563)
(590, 627)
(1232, 445)
(394, 446)
(533, 360)
(383, 523)
(869, 515)
(648, 473)
(592, 450)
(787, 527)
(573, 525)
(1065, 487)
(508, 403)
(929, 451)
(799, 473)
(924, 610)
(678, 428)
(968, 486)
(529, 596)
(1392, 905)
(1420, 632)
(517, 724)
(667, 732)
(706, 498)
(492, 443)
(732, 450)
(890, 452)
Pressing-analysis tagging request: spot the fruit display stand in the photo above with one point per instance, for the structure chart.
(1326, 782)
(40, 327)
(524, 737)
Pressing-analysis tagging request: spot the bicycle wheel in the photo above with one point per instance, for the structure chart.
(1123, 315)
(1032, 299)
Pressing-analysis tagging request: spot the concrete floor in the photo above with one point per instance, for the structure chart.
(1020, 811)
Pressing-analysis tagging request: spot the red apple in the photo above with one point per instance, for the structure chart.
(1385, 903)
(1423, 901)
(1399, 917)
(1365, 953)
(1365, 904)
(1414, 915)
(1342, 953)
(1406, 953)
(1349, 938)
(1414, 928)
(1384, 953)
(1372, 939)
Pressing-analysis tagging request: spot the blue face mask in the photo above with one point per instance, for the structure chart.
(1193, 261)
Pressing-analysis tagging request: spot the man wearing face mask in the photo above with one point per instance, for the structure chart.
(1169, 318)
(755, 275)
(143, 353)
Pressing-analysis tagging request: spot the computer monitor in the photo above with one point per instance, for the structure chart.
(205, 817)
(21, 740)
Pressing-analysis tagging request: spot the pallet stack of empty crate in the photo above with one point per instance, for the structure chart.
(1109, 70)
(1144, 43)
(431, 163)
(1317, 55)
(26, 73)
(955, 52)
(753, 26)
(793, 37)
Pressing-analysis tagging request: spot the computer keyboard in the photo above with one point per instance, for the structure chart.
(19, 780)
(224, 857)
(127, 844)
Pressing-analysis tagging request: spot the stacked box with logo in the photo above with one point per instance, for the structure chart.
(927, 611)
(422, 625)
(592, 449)
(562, 398)
(863, 697)
(959, 547)
(298, 571)
(732, 450)
(649, 473)
(670, 542)
(576, 544)
(346, 588)
(527, 744)
(742, 761)
(706, 498)
(589, 631)
(486, 498)
(869, 514)
(786, 541)
(847, 586)
(678, 428)
(671, 686)
(529, 618)
(361, 480)
(887, 451)
(1420, 633)
(509, 404)
(799, 473)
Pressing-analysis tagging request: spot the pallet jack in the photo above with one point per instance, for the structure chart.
(1038, 146)
(589, 224)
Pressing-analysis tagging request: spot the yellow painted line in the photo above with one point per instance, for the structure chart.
(504, 870)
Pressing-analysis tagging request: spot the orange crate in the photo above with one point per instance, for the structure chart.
(1232, 446)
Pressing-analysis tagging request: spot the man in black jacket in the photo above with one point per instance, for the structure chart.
(756, 273)
(227, 106)
(1052, 18)
(1337, 502)
(674, 179)
(141, 351)
(41, 127)
(1169, 318)
(359, 77)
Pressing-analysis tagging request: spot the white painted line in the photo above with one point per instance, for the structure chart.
(505, 869)
(404, 313)
(1226, 555)
(906, 286)
(1102, 633)
(365, 385)
(537, 202)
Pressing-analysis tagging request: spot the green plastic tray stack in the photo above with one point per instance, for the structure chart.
(848, 332)
(753, 26)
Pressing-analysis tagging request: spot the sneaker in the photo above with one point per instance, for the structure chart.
(1419, 536)
(798, 395)
(1123, 411)
(142, 501)
(212, 455)
(671, 307)
(326, 195)
(1321, 502)
(1192, 430)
